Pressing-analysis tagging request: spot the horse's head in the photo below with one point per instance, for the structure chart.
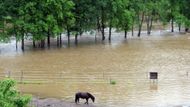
(93, 98)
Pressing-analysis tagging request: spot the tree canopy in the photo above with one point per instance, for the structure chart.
(43, 19)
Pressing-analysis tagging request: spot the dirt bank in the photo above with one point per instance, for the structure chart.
(52, 102)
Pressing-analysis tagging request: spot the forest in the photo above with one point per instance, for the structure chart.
(45, 19)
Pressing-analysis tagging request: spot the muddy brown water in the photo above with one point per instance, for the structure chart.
(61, 72)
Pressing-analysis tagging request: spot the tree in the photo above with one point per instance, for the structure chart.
(124, 16)
(85, 17)
(138, 8)
(185, 12)
(125, 21)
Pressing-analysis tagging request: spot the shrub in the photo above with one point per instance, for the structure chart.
(10, 97)
(112, 82)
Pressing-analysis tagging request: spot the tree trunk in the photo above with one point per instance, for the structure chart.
(60, 40)
(133, 29)
(148, 23)
(43, 43)
(150, 28)
(103, 25)
(68, 35)
(22, 42)
(140, 25)
(179, 27)
(125, 34)
(110, 28)
(76, 39)
(57, 41)
(48, 41)
(186, 29)
(103, 33)
(98, 24)
(172, 25)
(34, 44)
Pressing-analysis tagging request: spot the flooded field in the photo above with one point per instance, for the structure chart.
(61, 72)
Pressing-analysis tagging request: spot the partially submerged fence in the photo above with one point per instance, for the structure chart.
(51, 77)
(62, 76)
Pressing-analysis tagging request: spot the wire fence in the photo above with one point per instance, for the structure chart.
(62, 76)
(51, 77)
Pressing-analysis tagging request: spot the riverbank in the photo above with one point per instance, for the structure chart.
(53, 102)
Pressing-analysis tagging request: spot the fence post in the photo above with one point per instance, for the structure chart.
(61, 74)
(103, 75)
(21, 77)
(8, 74)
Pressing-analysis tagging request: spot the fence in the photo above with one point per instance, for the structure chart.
(62, 76)
(52, 77)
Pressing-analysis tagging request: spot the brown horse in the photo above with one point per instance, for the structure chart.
(83, 95)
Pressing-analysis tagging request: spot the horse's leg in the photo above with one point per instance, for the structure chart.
(86, 101)
(78, 100)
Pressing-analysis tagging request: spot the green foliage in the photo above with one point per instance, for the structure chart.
(187, 23)
(45, 18)
(10, 97)
(112, 82)
(125, 20)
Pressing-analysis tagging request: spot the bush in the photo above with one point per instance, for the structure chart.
(10, 97)
(112, 82)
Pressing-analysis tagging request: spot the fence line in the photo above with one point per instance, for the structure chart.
(61, 76)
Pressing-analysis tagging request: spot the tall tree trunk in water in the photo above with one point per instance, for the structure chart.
(172, 24)
(34, 44)
(57, 41)
(150, 28)
(125, 34)
(68, 35)
(76, 39)
(110, 28)
(103, 33)
(98, 24)
(140, 25)
(186, 29)
(48, 39)
(22, 42)
(133, 28)
(103, 25)
(43, 43)
(179, 27)
(148, 23)
(60, 40)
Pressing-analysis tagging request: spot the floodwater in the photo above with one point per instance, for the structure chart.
(90, 66)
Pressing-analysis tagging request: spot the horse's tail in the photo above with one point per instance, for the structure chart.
(76, 98)
(91, 96)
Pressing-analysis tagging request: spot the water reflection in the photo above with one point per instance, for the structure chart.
(154, 86)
